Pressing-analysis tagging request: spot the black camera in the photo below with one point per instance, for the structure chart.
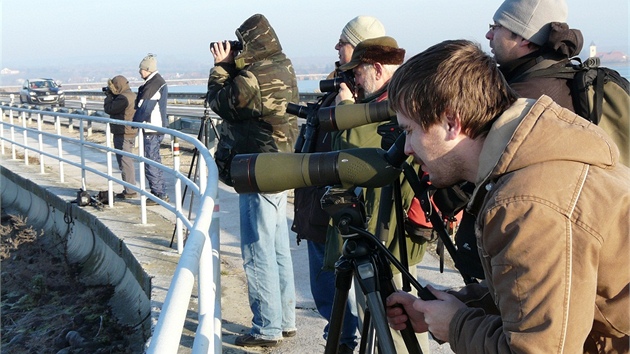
(235, 45)
(332, 85)
(105, 89)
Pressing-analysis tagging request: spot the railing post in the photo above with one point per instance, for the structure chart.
(25, 137)
(143, 198)
(110, 183)
(82, 153)
(40, 143)
(57, 120)
(12, 133)
(178, 197)
(83, 105)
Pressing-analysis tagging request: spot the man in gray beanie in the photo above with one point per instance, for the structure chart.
(151, 108)
(356, 31)
(530, 35)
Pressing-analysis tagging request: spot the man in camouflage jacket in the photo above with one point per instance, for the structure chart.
(250, 90)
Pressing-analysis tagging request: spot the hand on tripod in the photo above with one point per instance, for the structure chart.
(432, 315)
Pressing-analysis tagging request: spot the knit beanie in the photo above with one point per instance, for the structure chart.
(361, 28)
(149, 63)
(530, 19)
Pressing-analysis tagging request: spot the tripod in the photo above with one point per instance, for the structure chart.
(202, 135)
(366, 258)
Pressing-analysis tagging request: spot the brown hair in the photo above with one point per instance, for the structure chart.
(456, 75)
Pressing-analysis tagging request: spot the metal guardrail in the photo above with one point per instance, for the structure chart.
(199, 257)
(190, 98)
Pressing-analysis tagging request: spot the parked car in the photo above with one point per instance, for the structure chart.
(42, 91)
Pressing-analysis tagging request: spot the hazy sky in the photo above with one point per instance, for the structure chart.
(69, 32)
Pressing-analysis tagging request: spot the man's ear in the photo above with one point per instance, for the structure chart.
(453, 122)
(524, 43)
(378, 69)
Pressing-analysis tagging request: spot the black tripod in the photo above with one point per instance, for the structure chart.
(203, 136)
(365, 257)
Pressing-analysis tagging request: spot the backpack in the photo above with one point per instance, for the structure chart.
(600, 95)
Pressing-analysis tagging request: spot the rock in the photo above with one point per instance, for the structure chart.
(75, 339)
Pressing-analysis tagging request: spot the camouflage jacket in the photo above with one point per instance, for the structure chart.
(252, 94)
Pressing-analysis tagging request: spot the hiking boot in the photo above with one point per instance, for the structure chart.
(289, 333)
(247, 340)
(345, 349)
(124, 195)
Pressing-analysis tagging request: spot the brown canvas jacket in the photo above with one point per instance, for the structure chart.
(553, 210)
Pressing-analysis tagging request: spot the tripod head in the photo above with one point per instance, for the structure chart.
(345, 208)
(348, 213)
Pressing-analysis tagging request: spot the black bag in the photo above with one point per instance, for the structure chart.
(223, 158)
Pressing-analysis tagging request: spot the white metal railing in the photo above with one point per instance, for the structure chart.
(200, 255)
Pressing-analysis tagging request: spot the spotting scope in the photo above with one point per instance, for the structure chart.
(275, 172)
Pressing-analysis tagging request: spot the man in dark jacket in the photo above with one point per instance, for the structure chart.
(151, 108)
(250, 90)
(530, 35)
(526, 36)
(119, 104)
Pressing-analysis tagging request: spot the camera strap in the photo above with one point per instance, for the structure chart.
(423, 192)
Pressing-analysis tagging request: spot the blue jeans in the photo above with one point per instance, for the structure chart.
(267, 262)
(323, 291)
(155, 176)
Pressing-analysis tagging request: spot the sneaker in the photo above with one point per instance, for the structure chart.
(124, 195)
(247, 340)
(289, 333)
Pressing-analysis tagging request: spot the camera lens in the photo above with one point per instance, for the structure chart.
(330, 85)
(297, 110)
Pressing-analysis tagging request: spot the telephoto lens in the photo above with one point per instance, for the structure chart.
(297, 110)
(353, 115)
(330, 85)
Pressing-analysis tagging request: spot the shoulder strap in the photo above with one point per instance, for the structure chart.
(564, 70)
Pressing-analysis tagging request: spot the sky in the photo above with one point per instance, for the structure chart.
(89, 32)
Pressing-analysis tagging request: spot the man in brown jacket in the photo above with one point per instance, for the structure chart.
(552, 207)
(119, 104)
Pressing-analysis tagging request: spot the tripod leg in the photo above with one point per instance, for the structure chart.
(408, 335)
(343, 282)
(367, 277)
(193, 164)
